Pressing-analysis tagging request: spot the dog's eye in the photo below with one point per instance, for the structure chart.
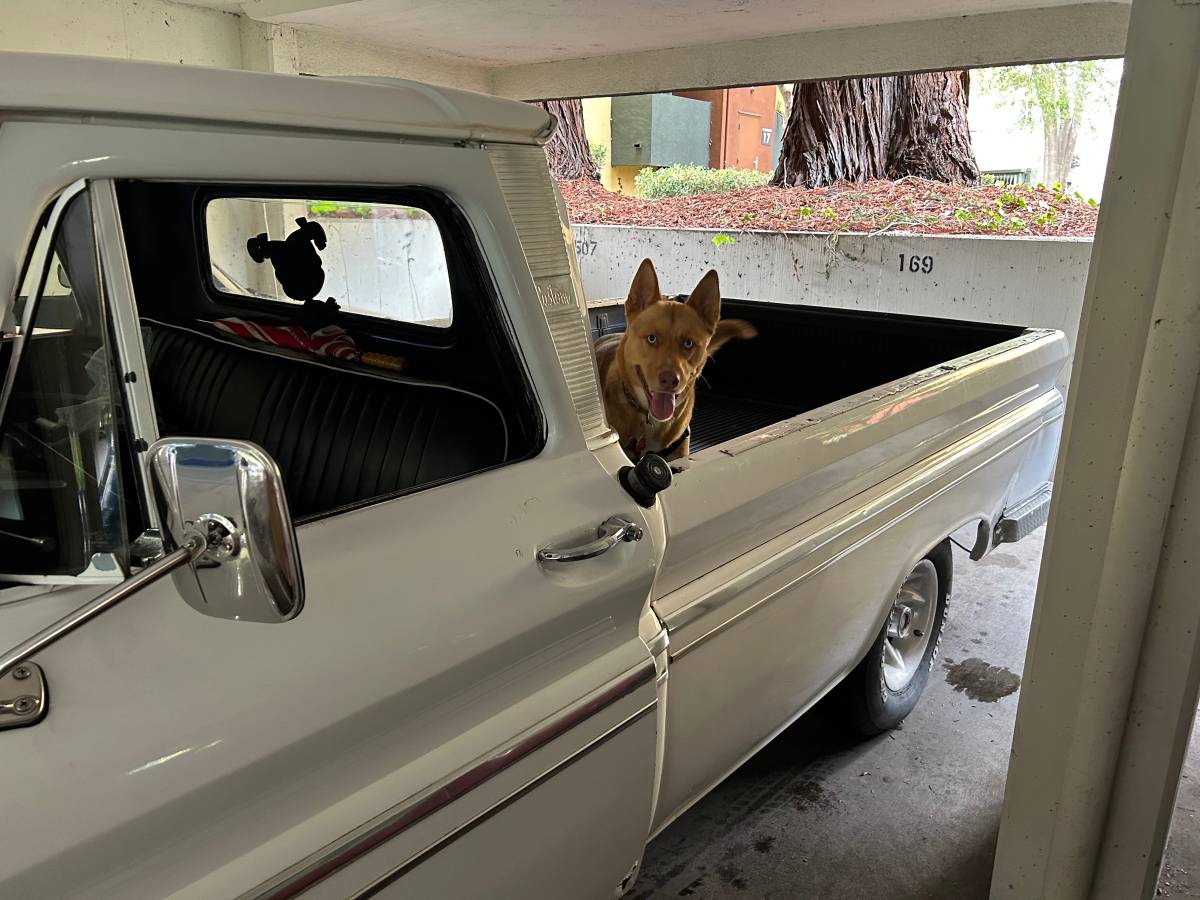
(652, 339)
(688, 343)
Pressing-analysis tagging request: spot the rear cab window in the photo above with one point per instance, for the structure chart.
(376, 259)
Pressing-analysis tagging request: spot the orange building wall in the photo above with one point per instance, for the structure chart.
(738, 117)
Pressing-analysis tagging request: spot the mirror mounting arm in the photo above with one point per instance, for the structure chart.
(185, 555)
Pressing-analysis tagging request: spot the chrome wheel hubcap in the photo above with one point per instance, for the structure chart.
(910, 626)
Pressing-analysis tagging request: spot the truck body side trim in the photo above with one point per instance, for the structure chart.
(705, 604)
(390, 824)
(441, 843)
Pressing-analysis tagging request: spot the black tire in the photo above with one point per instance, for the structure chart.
(870, 706)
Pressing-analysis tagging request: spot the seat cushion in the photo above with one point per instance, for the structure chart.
(340, 436)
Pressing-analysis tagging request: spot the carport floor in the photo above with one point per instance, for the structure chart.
(910, 815)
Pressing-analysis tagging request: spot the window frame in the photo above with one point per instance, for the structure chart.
(465, 259)
(439, 208)
(112, 569)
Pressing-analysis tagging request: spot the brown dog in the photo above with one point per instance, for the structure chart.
(648, 374)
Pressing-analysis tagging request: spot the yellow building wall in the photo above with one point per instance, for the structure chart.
(597, 122)
(622, 180)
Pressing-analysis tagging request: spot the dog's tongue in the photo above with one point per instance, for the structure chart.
(662, 405)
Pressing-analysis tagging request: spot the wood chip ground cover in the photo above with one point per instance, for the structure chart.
(910, 205)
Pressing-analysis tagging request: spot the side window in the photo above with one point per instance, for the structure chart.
(359, 341)
(379, 259)
(60, 464)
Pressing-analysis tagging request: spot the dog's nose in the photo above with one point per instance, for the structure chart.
(668, 380)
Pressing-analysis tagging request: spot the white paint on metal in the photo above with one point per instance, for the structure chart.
(780, 619)
(53, 84)
(374, 635)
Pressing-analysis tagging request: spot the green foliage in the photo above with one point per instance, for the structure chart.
(331, 210)
(720, 240)
(683, 181)
(804, 211)
(987, 179)
(990, 219)
(1052, 93)
(599, 154)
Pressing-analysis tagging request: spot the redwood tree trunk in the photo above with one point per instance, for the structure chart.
(837, 131)
(567, 150)
(931, 138)
(857, 129)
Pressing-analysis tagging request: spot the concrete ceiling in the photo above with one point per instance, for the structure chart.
(501, 33)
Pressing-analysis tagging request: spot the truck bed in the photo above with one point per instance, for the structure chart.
(806, 356)
(718, 418)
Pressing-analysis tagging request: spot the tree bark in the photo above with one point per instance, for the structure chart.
(567, 151)
(858, 129)
(838, 130)
(931, 137)
(1058, 151)
(789, 92)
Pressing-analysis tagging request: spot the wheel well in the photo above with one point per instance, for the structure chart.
(943, 561)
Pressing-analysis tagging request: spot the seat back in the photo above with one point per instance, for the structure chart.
(340, 436)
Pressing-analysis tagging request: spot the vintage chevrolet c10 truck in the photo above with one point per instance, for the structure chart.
(351, 599)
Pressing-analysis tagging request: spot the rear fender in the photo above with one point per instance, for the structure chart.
(1025, 504)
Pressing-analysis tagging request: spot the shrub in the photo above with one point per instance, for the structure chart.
(599, 153)
(683, 181)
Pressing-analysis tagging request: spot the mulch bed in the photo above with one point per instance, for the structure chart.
(908, 205)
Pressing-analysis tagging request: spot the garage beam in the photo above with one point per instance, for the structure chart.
(1113, 668)
(1082, 31)
(281, 12)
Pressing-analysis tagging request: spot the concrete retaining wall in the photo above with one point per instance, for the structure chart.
(1018, 281)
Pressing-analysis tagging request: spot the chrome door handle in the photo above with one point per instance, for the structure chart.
(611, 532)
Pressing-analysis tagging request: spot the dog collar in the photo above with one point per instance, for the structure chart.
(636, 448)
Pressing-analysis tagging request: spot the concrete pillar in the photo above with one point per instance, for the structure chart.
(269, 48)
(1113, 670)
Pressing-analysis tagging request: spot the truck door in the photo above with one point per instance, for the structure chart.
(451, 713)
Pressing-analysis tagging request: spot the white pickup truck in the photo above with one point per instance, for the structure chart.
(355, 601)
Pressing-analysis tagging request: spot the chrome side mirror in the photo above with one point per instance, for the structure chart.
(229, 494)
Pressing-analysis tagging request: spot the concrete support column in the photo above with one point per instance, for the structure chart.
(269, 48)
(1113, 670)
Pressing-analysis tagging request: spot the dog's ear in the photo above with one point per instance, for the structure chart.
(643, 291)
(727, 330)
(705, 298)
